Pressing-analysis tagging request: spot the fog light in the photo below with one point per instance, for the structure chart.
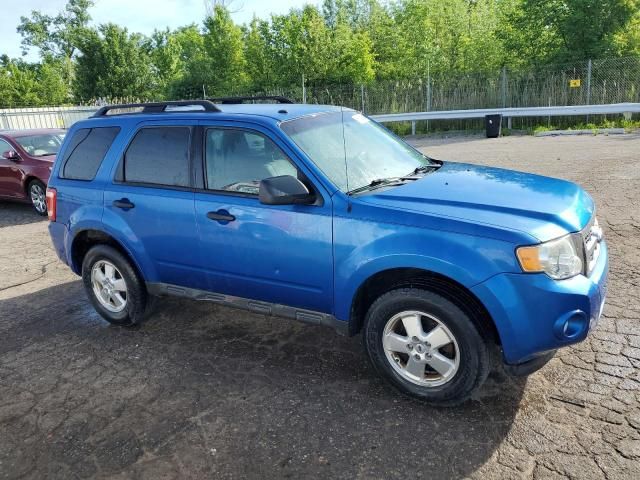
(571, 325)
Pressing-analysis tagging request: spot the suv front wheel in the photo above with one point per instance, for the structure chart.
(426, 346)
(113, 286)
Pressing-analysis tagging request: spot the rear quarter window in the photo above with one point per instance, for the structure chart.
(85, 152)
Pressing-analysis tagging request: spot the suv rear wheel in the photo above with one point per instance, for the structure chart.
(113, 286)
(426, 346)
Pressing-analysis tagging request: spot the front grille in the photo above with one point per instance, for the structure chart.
(591, 238)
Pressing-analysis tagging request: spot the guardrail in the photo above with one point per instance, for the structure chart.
(615, 108)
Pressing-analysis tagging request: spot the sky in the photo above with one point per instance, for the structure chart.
(137, 15)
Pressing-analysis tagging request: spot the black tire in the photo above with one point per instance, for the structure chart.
(40, 208)
(474, 358)
(136, 294)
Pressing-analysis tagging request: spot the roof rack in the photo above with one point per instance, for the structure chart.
(238, 100)
(156, 107)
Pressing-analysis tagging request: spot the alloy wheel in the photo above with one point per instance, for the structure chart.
(38, 198)
(109, 286)
(421, 349)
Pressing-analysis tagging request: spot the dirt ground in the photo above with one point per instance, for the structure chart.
(201, 391)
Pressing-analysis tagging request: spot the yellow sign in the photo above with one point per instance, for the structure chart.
(574, 83)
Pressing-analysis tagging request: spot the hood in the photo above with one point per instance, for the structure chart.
(542, 207)
(26, 155)
(48, 158)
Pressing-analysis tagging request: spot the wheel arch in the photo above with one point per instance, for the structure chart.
(384, 281)
(27, 181)
(84, 240)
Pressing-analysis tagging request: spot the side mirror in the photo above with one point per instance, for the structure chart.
(284, 190)
(11, 155)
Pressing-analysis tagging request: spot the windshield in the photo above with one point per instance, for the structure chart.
(41, 145)
(371, 152)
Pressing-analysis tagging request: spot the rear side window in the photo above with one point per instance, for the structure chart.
(85, 152)
(159, 156)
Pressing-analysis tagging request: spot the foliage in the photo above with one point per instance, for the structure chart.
(55, 35)
(39, 84)
(568, 30)
(626, 41)
(342, 42)
(112, 63)
(224, 65)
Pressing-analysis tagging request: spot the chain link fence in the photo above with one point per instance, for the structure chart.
(585, 83)
(605, 81)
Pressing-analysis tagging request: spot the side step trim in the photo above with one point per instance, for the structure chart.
(256, 306)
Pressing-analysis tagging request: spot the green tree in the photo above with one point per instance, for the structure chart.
(343, 41)
(176, 57)
(356, 13)
(224, 63)
(112, 63)
(25, 84)
(56, 38)
(259, 55)
(51, 85)
(209, 62)
(352, 55)
(302, 43)
(627, 40)
(453, 36)
(57, 35)
(387, 42)
(568, 30)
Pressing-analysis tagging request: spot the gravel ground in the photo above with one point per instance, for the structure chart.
(201, 391)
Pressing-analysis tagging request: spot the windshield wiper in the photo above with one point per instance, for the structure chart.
(377, 183)
(383, 182)
(425, 169)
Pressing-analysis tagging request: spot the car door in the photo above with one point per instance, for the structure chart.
(10, 173)
(152, 194)
(274, 253)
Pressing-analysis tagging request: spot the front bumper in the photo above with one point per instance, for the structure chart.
(535, 314)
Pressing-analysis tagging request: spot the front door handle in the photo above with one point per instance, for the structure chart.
(221, 216)
(123, 203)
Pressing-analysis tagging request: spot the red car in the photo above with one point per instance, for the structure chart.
(26, 158)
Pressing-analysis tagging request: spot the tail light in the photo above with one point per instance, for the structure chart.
(52, 200)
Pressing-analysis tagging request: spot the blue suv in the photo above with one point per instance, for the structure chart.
(319, 214)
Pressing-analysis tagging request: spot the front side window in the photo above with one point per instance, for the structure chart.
(158, 156)
(5, 147)
(352, 150)
(85, 152)
(237, 160)
(41, 145)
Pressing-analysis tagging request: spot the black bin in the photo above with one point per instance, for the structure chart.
(493, 125)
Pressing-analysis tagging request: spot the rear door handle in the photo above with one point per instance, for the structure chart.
(221, 216)
(123, 203)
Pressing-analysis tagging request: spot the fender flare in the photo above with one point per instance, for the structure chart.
(144, 267)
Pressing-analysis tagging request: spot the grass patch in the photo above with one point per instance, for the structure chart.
(628, 125)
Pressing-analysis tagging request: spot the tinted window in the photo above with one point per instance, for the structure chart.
(159, 155)
(85, 152)
(238, 160)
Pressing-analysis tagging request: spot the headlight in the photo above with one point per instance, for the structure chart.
(559, 258)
